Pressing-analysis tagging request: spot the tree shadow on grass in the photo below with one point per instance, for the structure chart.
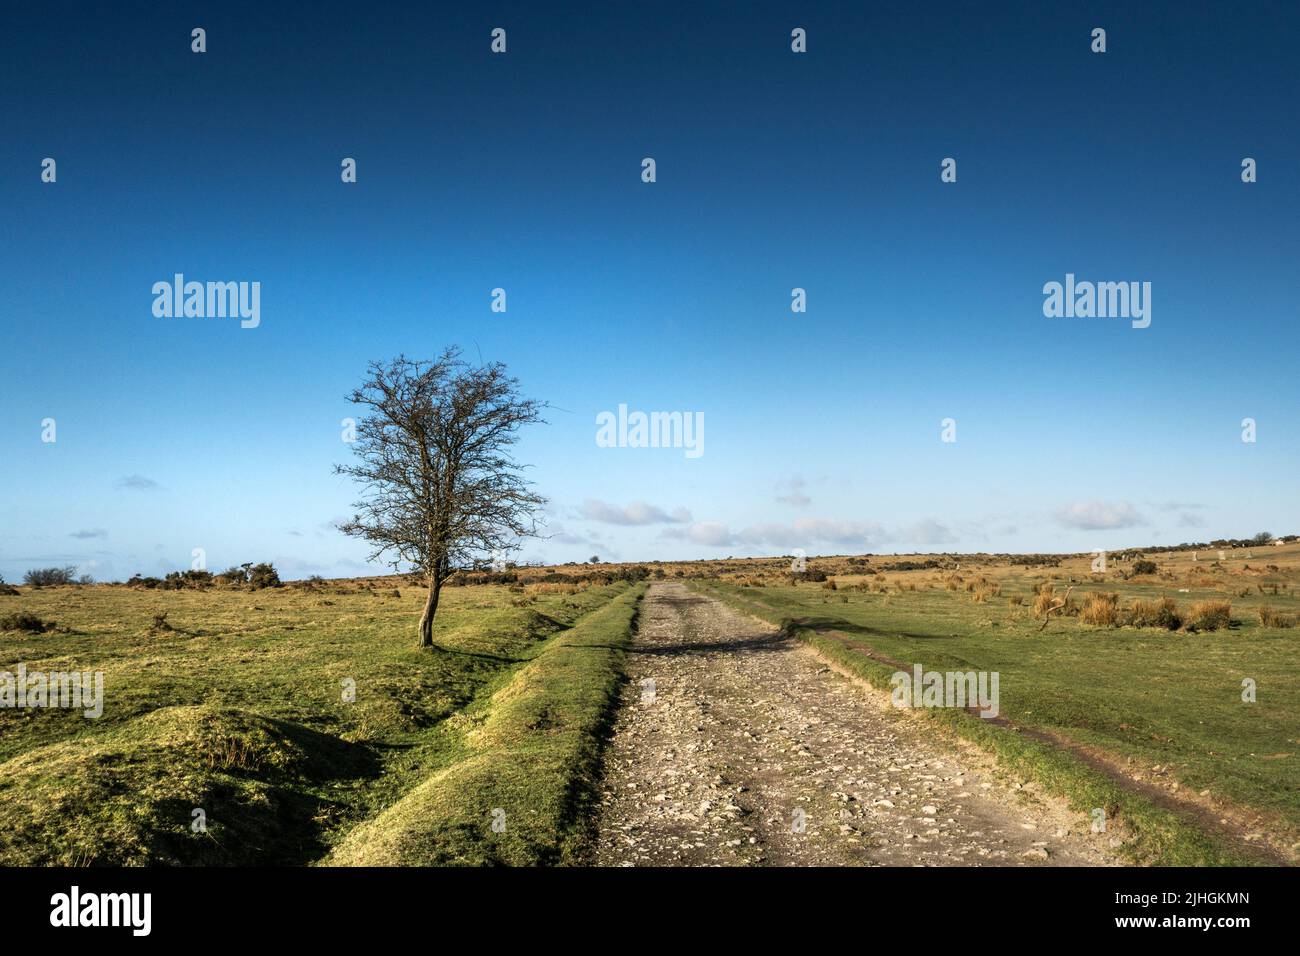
(848, 627)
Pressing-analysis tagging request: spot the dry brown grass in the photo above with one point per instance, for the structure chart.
(1209, 616)
(1101, 608)
(1045, 597)
(1160, 613)
(532, 590)
(1271, 618)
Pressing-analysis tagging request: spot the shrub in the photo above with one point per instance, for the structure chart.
(23, 621)
(263, 576)
(829, 584)
(1162, 613)
(1044, 597)
(49, 577)
(1271, 618)
(1209, 616)
(178, 580)
(257, 576)
(232, 575)
(1101, 608)
(1046, 600)
(815, 575)
(1144, 567)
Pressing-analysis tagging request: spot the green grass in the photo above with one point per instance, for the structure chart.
(239, 712)
(530, 759)
(1145, 698)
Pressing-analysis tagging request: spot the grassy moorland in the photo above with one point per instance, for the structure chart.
(233, 704)
(1117, 704)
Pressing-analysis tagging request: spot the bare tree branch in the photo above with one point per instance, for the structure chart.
(433, 459)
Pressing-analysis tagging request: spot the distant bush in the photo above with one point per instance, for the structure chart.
(634, 573)
(814, 575)
(1162, 613)
(1209, 616)
(1028, 560)
(233, 575)
(178, 580)
(49, 577)
(1271, 618)
(1144, 567)
(23, 621)
(264, 576)
(1101, 608)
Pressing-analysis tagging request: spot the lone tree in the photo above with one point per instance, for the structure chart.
(433, 457)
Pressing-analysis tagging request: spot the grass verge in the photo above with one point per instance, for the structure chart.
(519, 793)
(226, 738)
(1158, 836)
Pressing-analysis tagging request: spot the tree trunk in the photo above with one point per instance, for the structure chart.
(430, 609)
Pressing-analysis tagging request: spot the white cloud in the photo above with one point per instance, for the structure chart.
(927, 531)
(637, 513)
(557, 534)
(793, 493)
(805, 532)
(1099, 515)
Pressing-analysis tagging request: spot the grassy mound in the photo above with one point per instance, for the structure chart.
(286, 722)
(129, 797)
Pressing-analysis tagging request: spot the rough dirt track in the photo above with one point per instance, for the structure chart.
(750, 750)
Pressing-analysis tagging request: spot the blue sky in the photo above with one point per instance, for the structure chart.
(775, 170)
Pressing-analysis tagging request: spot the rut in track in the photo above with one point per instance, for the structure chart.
(749, 750)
